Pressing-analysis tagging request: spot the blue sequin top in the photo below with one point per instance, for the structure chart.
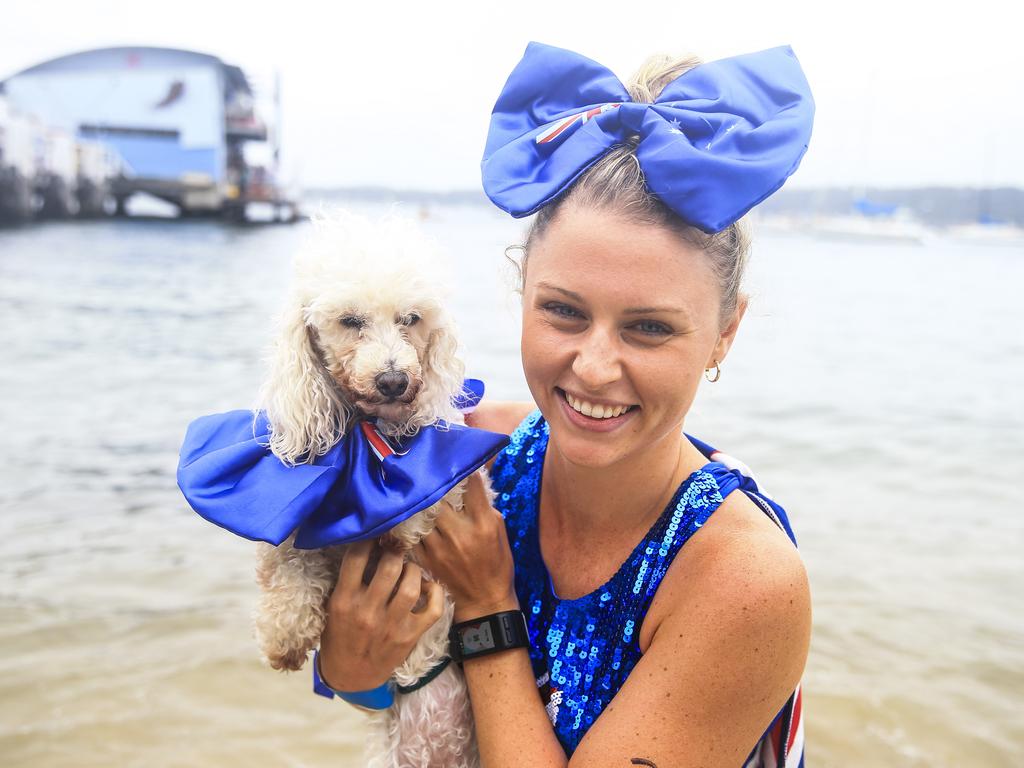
(582, 650)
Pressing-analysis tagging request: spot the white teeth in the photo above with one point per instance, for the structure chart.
(595, 411)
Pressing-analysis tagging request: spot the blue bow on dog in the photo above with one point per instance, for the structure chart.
(717, 140)
(362, 487)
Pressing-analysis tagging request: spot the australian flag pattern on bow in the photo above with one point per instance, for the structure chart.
(378, 443)
(561, 126)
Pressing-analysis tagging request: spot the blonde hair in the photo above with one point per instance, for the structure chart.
(616, 183)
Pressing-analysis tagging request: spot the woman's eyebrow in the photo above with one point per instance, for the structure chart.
(631, 311)
(653, 310)
(571, 294)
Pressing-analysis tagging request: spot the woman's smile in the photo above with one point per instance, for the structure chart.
(594, 416)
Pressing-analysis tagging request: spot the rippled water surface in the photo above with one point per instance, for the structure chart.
(876, 389)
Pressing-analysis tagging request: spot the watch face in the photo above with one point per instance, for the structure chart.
(477, 637)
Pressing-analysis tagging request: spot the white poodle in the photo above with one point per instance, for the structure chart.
(364, 336)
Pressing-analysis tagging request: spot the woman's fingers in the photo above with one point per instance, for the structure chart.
(420, 552)
(444, 520)
(432, 608)
(385, 578)
(407, 591)
(353, 566)
(476, 501)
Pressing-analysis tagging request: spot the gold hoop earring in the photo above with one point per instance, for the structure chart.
(718, 372)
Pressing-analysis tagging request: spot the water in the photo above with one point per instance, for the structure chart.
(874, 388)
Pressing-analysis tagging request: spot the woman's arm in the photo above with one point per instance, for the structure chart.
(470, 554)
(512, 727)
(722, 663)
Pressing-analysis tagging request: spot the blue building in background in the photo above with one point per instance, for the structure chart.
(182, 123)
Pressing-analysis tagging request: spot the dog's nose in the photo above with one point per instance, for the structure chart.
(391, 383)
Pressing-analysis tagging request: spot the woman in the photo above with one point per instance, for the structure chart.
(631, 292)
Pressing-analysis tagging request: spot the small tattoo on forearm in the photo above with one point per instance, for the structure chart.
(642, 761)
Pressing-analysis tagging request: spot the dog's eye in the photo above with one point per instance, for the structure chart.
(351, 321)
(411, 319)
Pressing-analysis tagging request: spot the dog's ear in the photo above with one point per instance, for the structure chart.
(306, 412)
(443, 372)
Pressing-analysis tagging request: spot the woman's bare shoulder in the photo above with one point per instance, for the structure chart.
(499, 415)
(738, 552)
(729, 652)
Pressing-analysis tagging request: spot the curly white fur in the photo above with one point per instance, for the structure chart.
(322, 372)
(364, 301)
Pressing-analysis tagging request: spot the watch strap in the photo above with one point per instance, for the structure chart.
(508, 630)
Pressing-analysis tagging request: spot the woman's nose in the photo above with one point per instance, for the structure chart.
(596, 362)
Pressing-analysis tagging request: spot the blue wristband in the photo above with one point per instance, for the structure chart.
(375, 698)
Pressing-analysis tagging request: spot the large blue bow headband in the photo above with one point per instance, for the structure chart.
(718, 140)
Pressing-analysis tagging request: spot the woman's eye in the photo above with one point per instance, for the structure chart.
(651, 328)
(561, 310)
(352, 321)
(410, 319)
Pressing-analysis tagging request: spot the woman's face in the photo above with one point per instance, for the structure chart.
(619, 315)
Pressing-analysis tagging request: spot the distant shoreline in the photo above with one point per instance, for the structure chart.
(933, 206)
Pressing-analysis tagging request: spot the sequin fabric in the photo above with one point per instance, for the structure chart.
(582, 650)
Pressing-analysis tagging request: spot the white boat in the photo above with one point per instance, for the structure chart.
(898, 228)
(986, 234)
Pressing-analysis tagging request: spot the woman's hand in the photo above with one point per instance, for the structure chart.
(371, 622)
(468, 552)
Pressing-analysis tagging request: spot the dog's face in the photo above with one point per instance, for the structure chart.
(374, 344)
(364, 333)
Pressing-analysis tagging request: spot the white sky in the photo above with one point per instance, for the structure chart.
(399, 93)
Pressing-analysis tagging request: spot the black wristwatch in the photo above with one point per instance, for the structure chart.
(488, 634)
